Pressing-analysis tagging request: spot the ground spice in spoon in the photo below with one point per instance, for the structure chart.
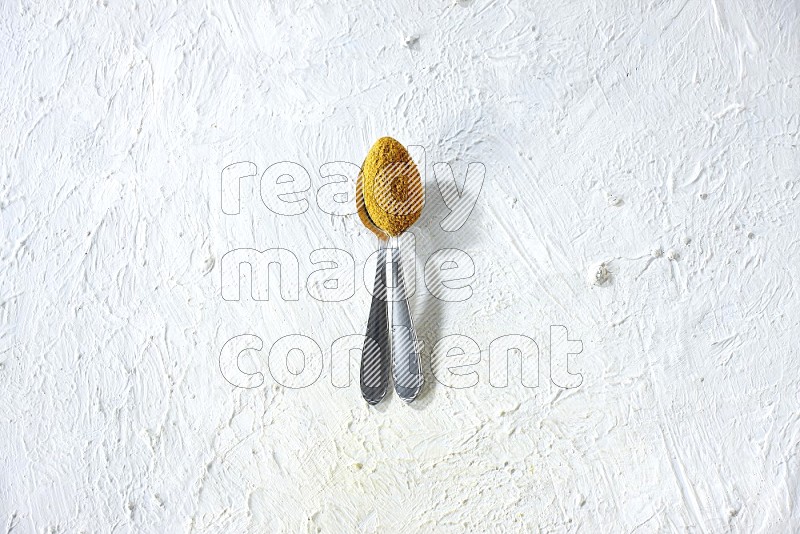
(389, 189)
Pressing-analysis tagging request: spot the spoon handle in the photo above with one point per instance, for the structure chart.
(406, 367)
(375, 356)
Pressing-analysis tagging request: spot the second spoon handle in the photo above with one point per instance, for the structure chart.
(375, 356)
(406, 367)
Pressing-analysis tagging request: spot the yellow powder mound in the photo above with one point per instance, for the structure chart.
(391, 187)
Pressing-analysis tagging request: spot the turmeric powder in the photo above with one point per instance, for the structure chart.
(389, 193)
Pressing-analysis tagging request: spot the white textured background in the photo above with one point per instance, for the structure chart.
(117, 119)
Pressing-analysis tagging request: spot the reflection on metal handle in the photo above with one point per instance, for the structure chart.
(375, 356)
(406, 369)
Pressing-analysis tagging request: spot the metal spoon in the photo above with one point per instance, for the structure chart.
(376, 350)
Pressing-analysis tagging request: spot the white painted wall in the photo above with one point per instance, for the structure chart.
(118, 118)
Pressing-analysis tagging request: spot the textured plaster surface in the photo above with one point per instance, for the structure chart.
(641, 189)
